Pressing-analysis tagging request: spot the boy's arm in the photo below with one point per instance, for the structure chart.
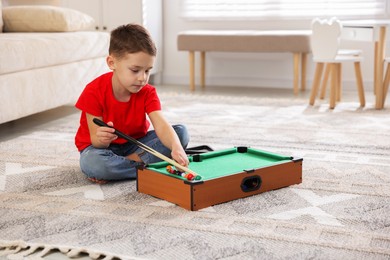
(101, 137)
(168, 137)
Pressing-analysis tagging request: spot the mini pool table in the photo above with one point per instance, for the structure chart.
(226, 175)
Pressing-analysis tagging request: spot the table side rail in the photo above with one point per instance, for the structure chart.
(164, 187)
(229, 188)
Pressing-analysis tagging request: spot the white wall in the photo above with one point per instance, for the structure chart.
(239, 69)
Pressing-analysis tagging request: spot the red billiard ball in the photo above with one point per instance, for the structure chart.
(170, 169)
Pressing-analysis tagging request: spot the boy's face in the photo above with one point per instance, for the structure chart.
(131, 72)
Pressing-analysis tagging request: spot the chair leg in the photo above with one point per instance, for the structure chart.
(339, 88)
(316, 82)
(386, 83)
(359, 81)
(325, 81)
(333, 85)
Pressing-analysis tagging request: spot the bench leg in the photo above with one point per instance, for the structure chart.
(192, 70)
(297, 57)
(303, 71)
(203, 69)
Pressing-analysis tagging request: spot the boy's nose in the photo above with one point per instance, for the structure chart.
(142, 77)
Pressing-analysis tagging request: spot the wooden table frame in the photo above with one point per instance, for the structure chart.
(195, 195)
(259, 171)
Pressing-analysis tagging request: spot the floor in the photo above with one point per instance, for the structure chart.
(25, 125)
(21, 126)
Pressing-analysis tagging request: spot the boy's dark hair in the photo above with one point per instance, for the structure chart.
(131, 38)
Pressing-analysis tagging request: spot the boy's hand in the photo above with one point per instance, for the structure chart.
(105, 135)
(180, 156)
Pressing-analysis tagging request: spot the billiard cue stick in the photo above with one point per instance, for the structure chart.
(145, 147)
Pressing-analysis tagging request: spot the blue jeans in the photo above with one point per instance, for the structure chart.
(111, 164)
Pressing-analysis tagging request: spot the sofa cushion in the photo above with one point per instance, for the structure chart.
(44, 18)
(24, 51)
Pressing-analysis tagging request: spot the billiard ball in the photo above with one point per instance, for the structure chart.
(190, 176)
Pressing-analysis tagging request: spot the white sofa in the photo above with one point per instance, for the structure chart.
(46, 58)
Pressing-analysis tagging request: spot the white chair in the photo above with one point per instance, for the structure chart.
(325, 44)
(324, 83)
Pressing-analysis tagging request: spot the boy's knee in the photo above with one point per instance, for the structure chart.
(93, 167)
(92, 164)
(182, 133)
(102, 164)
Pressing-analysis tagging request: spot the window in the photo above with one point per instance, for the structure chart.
(283, 9)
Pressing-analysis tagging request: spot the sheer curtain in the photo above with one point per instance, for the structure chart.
(283, 9)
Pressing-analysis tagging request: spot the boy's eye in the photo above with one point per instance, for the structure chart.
(137, 71)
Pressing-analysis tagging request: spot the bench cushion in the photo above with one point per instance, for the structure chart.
(245, 41)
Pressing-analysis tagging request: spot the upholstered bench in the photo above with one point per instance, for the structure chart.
(292, 41)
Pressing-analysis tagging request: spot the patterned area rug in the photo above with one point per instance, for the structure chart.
(340, 211)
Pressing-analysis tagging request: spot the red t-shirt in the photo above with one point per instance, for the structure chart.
(128, 117)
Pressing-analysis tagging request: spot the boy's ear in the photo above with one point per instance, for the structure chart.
(110, 62)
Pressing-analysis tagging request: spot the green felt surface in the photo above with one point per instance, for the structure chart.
(226, 162)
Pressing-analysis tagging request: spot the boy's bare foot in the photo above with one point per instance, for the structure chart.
(97, 181)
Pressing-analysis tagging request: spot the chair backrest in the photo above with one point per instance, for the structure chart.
(325, 38)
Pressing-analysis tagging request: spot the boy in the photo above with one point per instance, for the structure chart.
(122, 98)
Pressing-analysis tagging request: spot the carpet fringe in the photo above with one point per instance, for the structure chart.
(18, 250)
